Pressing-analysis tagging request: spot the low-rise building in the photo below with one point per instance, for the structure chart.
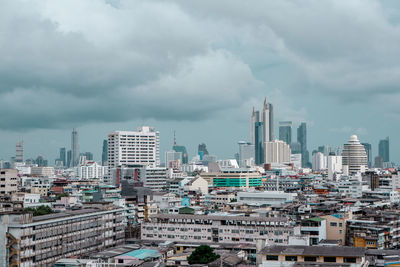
(224, 228)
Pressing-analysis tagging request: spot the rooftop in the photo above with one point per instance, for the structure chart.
(314, 251)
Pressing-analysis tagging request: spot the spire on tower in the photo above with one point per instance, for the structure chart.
(174, 139)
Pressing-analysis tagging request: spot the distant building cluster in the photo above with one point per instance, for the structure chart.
(272, 204)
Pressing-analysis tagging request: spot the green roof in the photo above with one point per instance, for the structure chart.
(315, 219)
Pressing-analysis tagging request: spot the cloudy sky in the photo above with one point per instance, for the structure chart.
(196, 67)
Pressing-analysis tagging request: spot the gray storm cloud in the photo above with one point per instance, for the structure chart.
(73, 62)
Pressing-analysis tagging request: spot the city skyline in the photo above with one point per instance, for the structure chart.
(196, 79)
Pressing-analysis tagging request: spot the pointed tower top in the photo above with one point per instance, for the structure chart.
(265, 103)
(174, 139)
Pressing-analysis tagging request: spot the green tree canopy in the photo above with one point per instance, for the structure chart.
(202, 255)
(41, 210)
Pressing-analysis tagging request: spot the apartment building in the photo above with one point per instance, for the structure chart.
(130, 147)
(376, 229)
(311, 256)
(42, 240)
(219, 228)
(8, 181)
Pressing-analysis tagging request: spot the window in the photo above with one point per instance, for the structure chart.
(329, 259)
(340, 224)
(309, 258)
(272, 257)
(333, 224)
(350, 260)
(290, 258)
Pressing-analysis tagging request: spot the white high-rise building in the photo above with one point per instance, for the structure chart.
(246, 154)
(90, 170)
(277, 152)
(334, 166)
(133, 148)
(354, 156)
(318, 161)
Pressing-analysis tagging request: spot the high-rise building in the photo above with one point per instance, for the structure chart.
(334, 165)
(319, 161)
(19, 151)
(74, 148)
(69, 158)
(129, 148)
(104, 153)
(182, 150)
(285, 131)
(384, 149)
(302, 140)
(277, 152)
(173, 159)
(63, 156)
(88, 155)
(354, 156)
(258, 143)
(378, 162)
(262, 129)
(368, 150)
(268, 119)
(203, 148)
(246, 154)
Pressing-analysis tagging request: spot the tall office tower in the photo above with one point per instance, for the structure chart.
(368, 150)
(104, 153)
(19, 151)
(88, 155)
(384, 149)
(74, 148)
(255, 117)
(69, 159)
(202, 150)
(246, 154)
(354, 156)
(130, 148)
(277, 152)
(259, 143)
(285, 131)
(265, 120)
(302, 140)
(182, 149)
(63, 156)
(268, 119)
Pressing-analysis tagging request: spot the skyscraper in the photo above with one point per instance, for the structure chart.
(74, 148)
(384, 149)
(63, 156)
(88, 155)
(354, 156)
(302, 140)
(368, 150)
(285, 131)
(268, 119)
(202, 150)
(182, 149)
(69, 158)
(258, 143)
(19, 151)
(261, 130)
(104, 153)
(277, 152)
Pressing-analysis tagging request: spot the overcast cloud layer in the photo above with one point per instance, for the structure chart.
(77, 63)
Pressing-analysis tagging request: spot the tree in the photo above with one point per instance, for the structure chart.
(41, 210)
(202, 255)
